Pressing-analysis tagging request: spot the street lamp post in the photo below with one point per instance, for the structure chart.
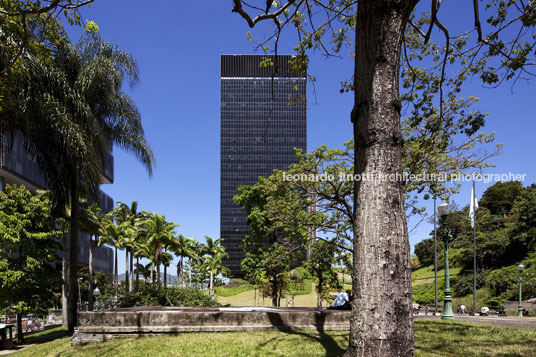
(446, 237)
(520, 267)
(96, 293)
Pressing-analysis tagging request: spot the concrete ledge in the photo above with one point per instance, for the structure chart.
(103, 325)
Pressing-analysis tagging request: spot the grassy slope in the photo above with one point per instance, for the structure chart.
(428, 273)
(432, 338)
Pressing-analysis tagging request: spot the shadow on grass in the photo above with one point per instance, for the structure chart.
(45, 336)
(439, 338)
(106, 348)
(331, 346)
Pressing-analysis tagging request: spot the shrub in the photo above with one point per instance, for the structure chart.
(462, 284)
(425, 293)
(157, 295)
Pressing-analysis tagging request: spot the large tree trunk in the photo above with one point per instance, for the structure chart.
(131, 276)
(274, 290)
(65, 285)
(381, 323)
(20, 334)
(73, 257)
(319, 292)
(90, 292)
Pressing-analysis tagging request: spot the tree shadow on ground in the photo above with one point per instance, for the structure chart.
(331, 346)
(45, 336)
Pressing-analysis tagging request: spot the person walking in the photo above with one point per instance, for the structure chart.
(426, 310)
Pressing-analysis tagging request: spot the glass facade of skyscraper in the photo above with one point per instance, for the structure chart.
(263, 118)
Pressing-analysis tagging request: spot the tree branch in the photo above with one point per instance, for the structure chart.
(237, 7)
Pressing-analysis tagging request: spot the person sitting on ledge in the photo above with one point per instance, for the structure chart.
(343, 301)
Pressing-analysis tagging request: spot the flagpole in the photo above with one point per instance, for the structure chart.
(435, 256)
(473, 198)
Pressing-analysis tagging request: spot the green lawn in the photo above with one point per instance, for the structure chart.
(432, 338)
(223, 291)
(428, 273)
(245, 298)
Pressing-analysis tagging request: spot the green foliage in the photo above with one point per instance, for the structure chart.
(415, 263)
(500, 197)
(425, 293)
(424, 250)
(157, 295)
(303, 288)
(279, 230)
(462, 284)
(27, 230)
(320, 265)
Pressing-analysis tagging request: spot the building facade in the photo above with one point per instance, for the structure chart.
(18, 167)
(263, 118)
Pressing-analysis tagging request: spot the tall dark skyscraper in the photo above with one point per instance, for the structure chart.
(263, 118)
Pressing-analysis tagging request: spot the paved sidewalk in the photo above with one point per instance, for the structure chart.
(509, 321)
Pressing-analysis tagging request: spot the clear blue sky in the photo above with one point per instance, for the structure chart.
(177, 45)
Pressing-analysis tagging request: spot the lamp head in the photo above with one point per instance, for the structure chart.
(443, 208)
(520, 267)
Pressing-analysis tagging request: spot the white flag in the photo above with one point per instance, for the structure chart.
(473, 207)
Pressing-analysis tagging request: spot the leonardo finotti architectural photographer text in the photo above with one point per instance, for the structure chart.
(405, 177)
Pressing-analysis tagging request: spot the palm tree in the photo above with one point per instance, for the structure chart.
(214, 253)
(214, 265)
(167, 258)
(73, 109)
(130, 217)
(112, 234)
(183, 248)
(91, 222)
(159, 232)
(145, 270)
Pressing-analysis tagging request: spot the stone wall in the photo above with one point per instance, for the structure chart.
(103, 325)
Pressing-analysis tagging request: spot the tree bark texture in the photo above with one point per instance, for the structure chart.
(73, 257)
(20, 334)
(274, 290)
(381, 323)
